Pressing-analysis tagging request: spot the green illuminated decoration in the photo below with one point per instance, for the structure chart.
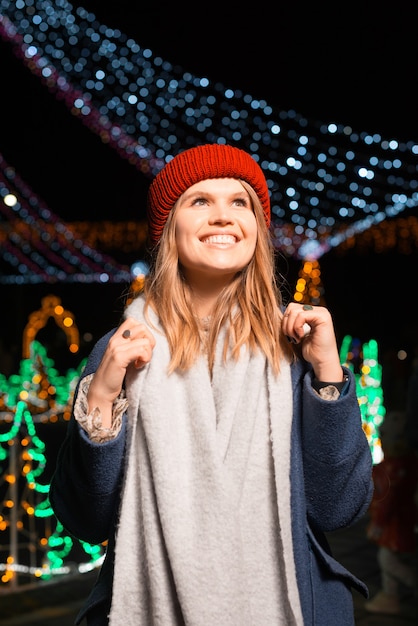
(362, 359)
(33, 544)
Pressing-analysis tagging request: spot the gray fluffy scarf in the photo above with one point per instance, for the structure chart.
(204, 536)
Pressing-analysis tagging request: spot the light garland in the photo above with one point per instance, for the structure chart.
(51, 308)
(362, 360)
(309, 288)
(327, 182)
(27, 522)
(42, 249)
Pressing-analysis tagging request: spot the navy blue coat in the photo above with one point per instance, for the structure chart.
(331, 488)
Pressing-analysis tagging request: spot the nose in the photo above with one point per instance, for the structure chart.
(221, 213)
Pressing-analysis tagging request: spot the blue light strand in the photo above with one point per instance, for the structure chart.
(30, 249)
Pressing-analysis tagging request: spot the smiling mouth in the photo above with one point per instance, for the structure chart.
(223, 239)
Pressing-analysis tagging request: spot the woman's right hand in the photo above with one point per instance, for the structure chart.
(132, 343)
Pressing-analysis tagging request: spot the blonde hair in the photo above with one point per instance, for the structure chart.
(249, 307)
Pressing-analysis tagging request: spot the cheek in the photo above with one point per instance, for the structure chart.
(251, 248)
(252, 232)
(186, 225)
(250, 243)
(184, 242)
(180, 232)
(180, 245)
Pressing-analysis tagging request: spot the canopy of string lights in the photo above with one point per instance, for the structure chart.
(329, 184)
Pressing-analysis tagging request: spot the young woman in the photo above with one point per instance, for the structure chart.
(208, 449)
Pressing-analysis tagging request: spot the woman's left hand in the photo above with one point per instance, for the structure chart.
(313, 328)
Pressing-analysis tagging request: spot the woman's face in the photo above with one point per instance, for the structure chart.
(215, 229)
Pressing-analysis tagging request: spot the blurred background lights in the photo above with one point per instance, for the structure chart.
(148, 110)
(10, 199)
(139, 268)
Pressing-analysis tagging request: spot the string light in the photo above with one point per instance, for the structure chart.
(38, 394)
(362, 359)
(42, 249)
(309, 287)
(328, 183)
(51, 308)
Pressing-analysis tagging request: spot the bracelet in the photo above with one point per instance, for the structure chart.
(319, 384)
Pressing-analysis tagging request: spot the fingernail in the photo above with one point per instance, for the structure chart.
(306, 329)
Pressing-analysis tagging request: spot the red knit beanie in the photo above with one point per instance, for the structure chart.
(196, 164)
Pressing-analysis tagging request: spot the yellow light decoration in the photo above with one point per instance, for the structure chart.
(45, 392)
(51, 307)
(136, 287)
(309, 285)
(106, 235)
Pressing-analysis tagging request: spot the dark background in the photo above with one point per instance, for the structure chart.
(348, 62)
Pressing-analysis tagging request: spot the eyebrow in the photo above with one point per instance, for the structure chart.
(203, 192)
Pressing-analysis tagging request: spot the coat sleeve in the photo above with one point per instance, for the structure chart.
(85, 486)
(337, 458)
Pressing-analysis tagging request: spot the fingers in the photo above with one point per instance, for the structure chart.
(132, 329)
(319, 345)
(132, 343)
(136, 340)
(297, 321)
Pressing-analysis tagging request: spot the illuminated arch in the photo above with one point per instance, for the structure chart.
(51, 307)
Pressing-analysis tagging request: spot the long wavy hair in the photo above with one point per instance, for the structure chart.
(249, 308)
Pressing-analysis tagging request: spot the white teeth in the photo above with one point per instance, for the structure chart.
(220, 239)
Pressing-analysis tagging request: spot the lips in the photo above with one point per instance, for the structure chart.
(222, 239)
